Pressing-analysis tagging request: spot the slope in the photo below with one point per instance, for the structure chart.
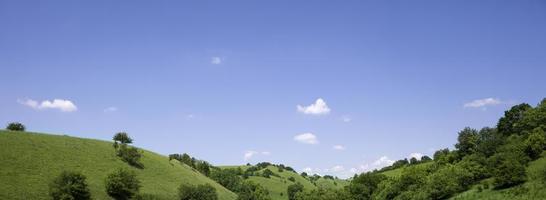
(31, 160)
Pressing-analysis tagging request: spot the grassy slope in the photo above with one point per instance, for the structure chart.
(29, 162)
(277, 186)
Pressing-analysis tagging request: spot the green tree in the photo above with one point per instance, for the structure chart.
(509, 173)
(227, 177)
(535, 143)
(122, 184)
(267, 173)
(489, 140)
(203, 167)
(293, 189)
(69, 186)
(130, 155)
(467, 141)
(199, 192)
(507, 124)
(364, 185)
(123, 138)
(15, 126)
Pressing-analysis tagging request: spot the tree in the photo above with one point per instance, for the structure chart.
(123, 138)
(413, 160)
(15, 126)
(425, 159)
(304, 174)
(199, 192)
(507, 124)
(203, 167)
(489, 139)
(252, 191)
(535, 143)
(292, 179)
(293, 189)
(69, 186)
(467, 141)
(267, 173)
(364, 185)
(122, 184)
(228, 178)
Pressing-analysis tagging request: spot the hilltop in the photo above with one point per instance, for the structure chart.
(31, 160)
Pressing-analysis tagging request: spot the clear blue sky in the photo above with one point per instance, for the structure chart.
(221, 79)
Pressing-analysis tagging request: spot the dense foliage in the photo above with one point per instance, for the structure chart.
(69, 186)
(496, 156)
(15, 126)
(128, 154)
(122, 184)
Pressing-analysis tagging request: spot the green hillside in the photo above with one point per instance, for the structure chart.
(277, 186)
(31, 160)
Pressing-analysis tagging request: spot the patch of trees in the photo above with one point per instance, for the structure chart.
(201, 166)
(15, 126)
(122, 184)
(500, 154)
(231, 179)
(130, 155)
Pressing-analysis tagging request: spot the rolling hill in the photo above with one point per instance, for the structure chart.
(277, 185)
(31, 160)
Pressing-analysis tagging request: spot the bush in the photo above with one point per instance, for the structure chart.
(68, 186)
(130, 155)
(267, 173)
(122, 184)
(293, 190)
(15, 126)
(252, 191)
(535, 143)
(199, 192)
(292, 179)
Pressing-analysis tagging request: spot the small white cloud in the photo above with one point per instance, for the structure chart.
(190, 116)
(416, 155)
(60, 104)
(339, 147)
(306, 138)
(111, 109)
(383, 161)
(482, 103)
(216, 60)
(308, 170)
(346, 119)
(317, 108)
(249, 154)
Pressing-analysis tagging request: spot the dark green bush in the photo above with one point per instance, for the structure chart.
(130, 155)
(292, 179)
(509, 173)
(69, 186)
(15, 126)
(293, 190)
(122, 184)
(199, 192)
(252, 191)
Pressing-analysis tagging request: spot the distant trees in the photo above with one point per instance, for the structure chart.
(69, 185)
(293, 189)
(199, 192)
(122, 184)
(15, 126)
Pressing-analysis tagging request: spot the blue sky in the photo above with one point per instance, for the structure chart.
(221, 80)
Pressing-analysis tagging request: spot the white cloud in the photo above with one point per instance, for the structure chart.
(216, 60)
(306, 138)
(346, 119)
(337, 168)
(482, 103)
(339, 147)
(60, 104)
(250, 153)
(416, 155)
(317, 108)
(111, 109)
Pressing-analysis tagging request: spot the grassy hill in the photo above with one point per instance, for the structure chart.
(277, 186)
(31, 160)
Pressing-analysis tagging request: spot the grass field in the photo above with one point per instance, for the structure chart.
(277, 186)
(29, 161)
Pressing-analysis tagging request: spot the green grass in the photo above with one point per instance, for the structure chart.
(29, 161)
(277, 186)
(532, 189)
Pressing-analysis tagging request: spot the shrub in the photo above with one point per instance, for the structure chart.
(130, 155)
(69, 185)
(292, 179)
(15, 126)
(267, 173)
(199, 192)
(122, 184)
(535, 143)
(293, 189)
